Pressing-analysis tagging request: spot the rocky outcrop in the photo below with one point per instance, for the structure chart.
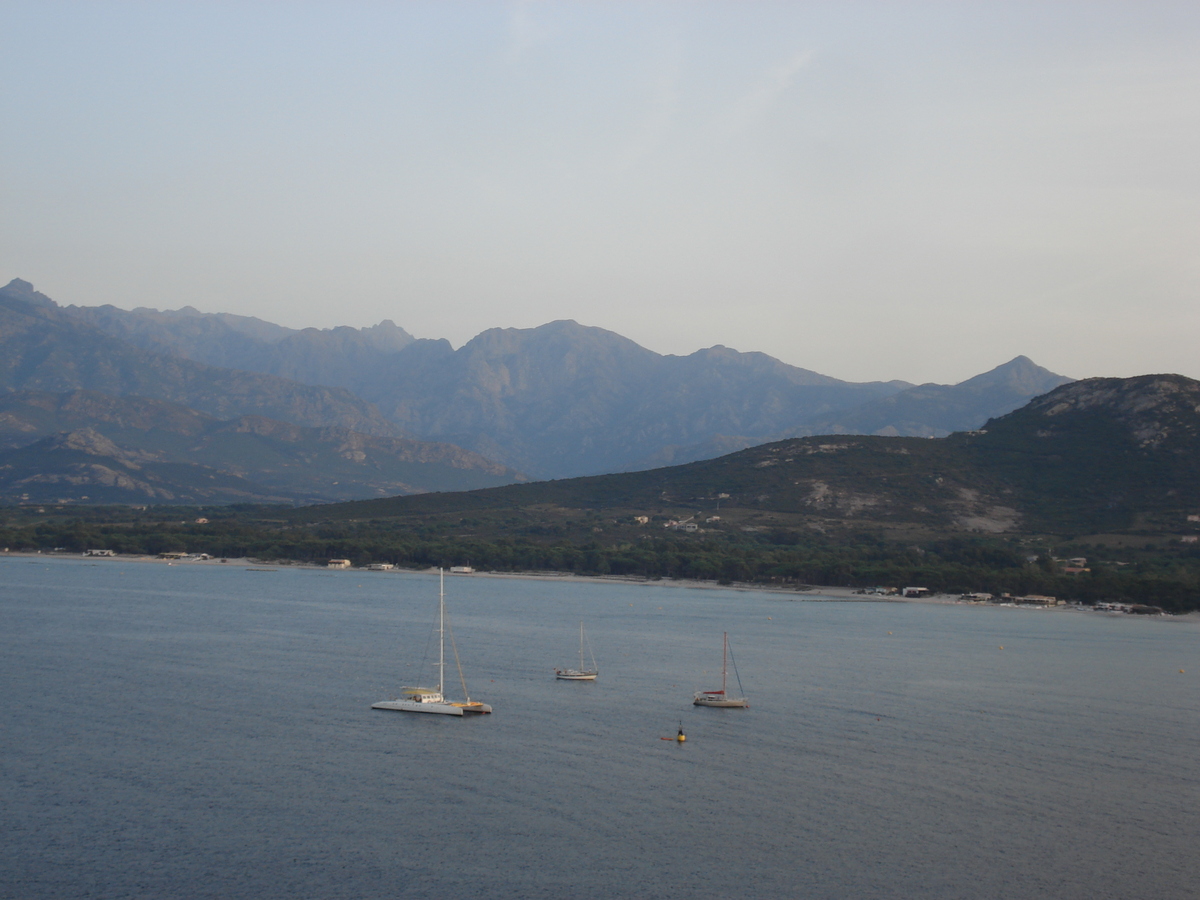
(1157, 410)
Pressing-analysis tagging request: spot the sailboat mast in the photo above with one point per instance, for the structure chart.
(724, 658)
(441, 631)
(580, 646)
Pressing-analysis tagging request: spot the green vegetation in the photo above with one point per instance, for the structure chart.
(1131, 568)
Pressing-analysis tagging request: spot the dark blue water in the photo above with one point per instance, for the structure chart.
(205, 731)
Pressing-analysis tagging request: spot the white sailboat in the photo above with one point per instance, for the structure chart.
(580, 674)
(722, 697)
(433, 700)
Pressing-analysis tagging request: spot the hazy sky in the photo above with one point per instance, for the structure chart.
(872, 190)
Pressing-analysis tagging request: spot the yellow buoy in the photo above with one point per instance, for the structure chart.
(1001, 646)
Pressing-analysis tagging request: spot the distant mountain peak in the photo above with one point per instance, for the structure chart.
(20, 289)
(19, 286)
(1020, 374)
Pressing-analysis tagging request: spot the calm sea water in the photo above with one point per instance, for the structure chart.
(205, 731)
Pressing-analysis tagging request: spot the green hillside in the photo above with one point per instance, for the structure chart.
(1094, 455)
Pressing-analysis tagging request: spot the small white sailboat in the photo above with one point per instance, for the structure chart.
(580, 674)
(433, 700)
(722, 697)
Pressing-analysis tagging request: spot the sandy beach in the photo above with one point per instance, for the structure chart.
(807, 594)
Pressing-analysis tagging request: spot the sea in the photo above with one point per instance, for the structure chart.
(205, 730)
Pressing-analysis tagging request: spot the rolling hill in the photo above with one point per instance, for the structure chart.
(1094, 455)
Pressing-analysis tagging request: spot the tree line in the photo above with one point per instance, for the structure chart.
(1170, 580)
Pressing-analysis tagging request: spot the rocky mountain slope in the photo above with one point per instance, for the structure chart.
(351, 358)
(1090, 456)
(565, 398)
(559, 400)
(44, 348)
(88, 447)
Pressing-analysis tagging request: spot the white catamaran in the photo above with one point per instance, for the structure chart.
(580, 674)
(432, 700)
(721, 697)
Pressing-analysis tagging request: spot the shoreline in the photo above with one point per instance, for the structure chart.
(812, 593)
(807, 594)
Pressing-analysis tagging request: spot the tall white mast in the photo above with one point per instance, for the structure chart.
(724, 656)
(441, 631)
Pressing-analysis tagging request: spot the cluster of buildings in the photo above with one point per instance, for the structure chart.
(1013, 600)
(387, 567)
(1133, 609)
(689, 524)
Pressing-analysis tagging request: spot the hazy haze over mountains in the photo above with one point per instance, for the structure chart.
(49, 348)
(559, 400)
(83, 445)
(1098, 455)
(935, 410)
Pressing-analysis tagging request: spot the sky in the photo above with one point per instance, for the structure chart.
(871, 190)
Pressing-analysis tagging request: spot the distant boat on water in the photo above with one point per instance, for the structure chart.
(432, 699)
(722, 697)
(580, 674)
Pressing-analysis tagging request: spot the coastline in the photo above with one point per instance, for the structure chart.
(806, 594)
(811, 593)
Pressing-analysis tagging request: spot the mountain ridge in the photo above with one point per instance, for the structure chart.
(1097, 454)
(558, 400)
(43, 348)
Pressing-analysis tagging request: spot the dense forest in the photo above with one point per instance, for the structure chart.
(1144, 570)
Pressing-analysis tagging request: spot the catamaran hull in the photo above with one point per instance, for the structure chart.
(443, 709)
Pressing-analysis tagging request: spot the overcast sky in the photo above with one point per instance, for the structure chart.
(871, 190)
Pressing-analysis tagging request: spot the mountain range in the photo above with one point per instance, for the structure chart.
(1092, 456)
(555, 401)
(50, 348)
